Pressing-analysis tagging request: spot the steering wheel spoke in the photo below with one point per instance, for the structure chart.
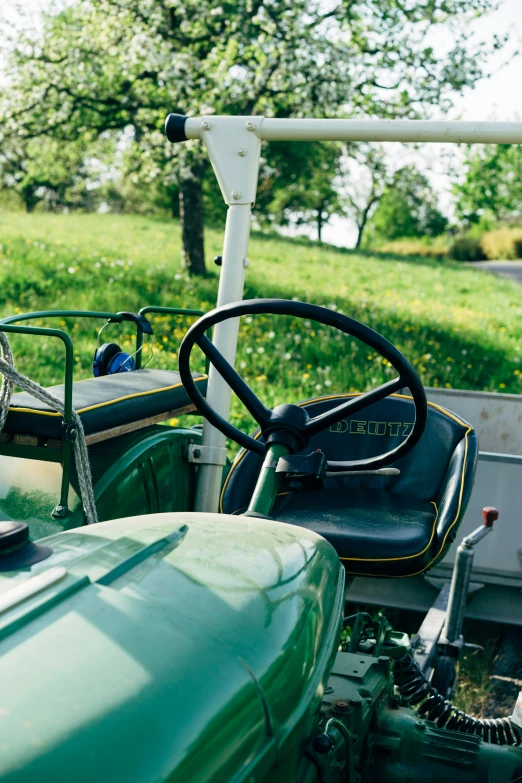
(353, 406)
(251, 402)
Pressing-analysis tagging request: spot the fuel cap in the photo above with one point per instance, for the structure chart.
(16, 548)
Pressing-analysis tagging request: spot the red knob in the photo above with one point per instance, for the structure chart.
(490, 514)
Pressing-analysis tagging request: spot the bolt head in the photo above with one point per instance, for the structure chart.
(205, 125)
(250, 125)
(236, 194)
(242, 152)
(197, 453)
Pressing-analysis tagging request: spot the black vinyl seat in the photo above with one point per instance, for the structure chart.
(379, 525)
(103, 403)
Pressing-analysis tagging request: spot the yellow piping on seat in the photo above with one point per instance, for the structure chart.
(108, 402)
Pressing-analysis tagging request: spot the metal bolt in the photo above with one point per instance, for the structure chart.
(242, 152)
(236, 194)
(205, 125)
(246, 262)
(250, 126)
(197, 453)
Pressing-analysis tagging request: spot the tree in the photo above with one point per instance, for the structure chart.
(43, 170)
(296, 184)
(365, 177)
(100, 65)
(408, 208)
(492, 183)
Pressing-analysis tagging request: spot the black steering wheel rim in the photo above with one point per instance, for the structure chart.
(270, 420)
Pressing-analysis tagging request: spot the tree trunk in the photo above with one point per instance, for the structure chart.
(320, 224)
(192, 222)
(360, 230)
(29, 197)
(362, 224)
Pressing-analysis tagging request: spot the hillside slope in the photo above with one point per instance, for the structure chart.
(460, 327)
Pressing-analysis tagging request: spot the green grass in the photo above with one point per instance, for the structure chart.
(460, 327)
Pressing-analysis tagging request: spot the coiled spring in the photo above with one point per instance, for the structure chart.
(416, 689)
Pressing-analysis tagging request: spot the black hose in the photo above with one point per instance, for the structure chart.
(314, 758)
(416, 689)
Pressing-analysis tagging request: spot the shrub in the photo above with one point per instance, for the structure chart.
(436, 248)
(502, 244)
(467, 248)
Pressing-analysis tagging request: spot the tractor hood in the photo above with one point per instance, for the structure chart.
(179, 647)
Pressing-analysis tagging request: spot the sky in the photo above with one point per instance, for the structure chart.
(498, 97)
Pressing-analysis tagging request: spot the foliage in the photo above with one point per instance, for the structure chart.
(361, 199)
(503, 244)
(424, 248)
(408, 208)
(467, 248)
(296, 184)
(459, 327)
(108, 65)
(491, 185)
(60, 175)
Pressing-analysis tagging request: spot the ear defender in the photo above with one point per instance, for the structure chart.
(109, 359)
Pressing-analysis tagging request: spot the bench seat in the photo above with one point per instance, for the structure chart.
(104, 403)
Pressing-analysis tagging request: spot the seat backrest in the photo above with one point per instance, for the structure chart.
(375, 430)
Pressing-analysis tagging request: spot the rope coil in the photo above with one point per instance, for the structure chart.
(12, 377)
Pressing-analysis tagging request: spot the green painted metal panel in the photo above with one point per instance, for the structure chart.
(138, 473)
(199, 658)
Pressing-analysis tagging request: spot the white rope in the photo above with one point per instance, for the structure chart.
(12, 377)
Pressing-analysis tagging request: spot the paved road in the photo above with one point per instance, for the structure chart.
(510, 269)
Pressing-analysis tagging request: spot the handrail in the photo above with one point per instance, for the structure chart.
(61, 509)
(117, 317)
(171, 311)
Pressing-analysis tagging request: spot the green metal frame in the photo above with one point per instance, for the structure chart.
(168, 311)
(64, 455)
(269, 482)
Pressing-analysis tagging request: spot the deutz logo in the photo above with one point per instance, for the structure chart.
(396, 429)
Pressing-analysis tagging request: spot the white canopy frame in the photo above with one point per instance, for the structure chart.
(234, 147)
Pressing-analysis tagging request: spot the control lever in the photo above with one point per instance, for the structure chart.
(380, 472)
(452, 631)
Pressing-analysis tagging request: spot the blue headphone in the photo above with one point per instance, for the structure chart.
(109, 359)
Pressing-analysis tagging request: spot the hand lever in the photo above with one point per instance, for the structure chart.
(380, 472)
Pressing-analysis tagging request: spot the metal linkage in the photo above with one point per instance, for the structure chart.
(452, 631)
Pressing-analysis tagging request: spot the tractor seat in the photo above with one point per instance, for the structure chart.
(104, 403)
(380, 525)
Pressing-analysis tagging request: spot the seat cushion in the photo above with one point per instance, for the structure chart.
(375, 533)
(380, 525)
(103, 403)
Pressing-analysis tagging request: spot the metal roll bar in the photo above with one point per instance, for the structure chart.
(234, 147)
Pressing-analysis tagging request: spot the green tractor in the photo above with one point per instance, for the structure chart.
(167, 618)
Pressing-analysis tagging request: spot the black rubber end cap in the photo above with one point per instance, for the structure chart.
(175, 128)
(322, 743)
(13, 535)
(16, 548)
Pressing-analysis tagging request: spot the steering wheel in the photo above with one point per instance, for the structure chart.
(291, 424)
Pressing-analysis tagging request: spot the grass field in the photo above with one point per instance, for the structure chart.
(460, 327)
